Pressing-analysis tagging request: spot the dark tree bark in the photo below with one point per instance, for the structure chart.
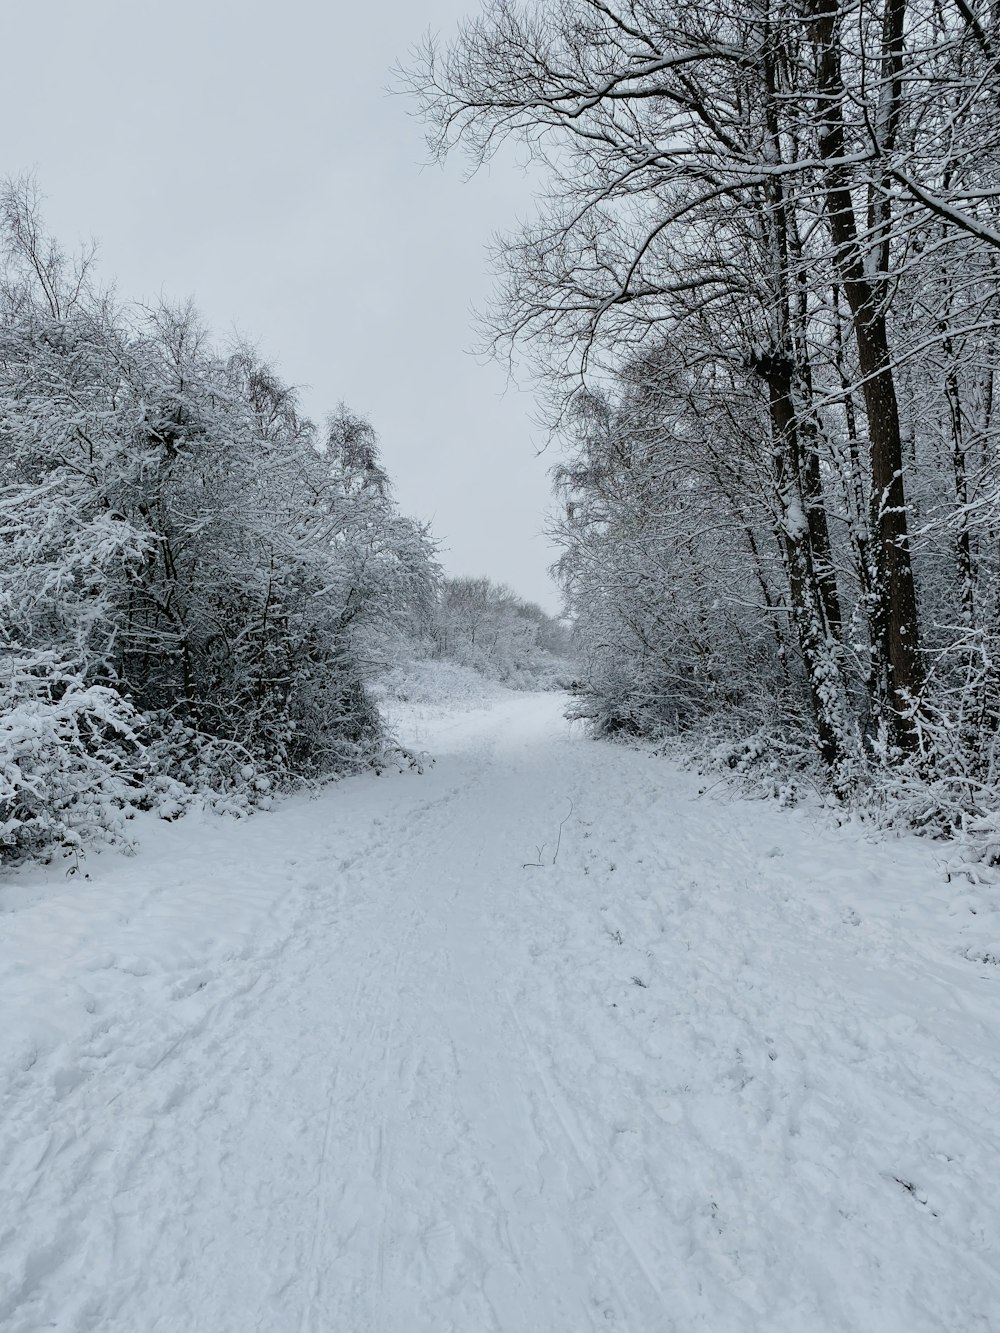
(895, 628)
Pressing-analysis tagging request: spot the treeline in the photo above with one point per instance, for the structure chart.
(486, 626)
(770, 246)
(193, 576)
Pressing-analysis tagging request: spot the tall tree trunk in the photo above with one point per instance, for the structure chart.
(895, 630)
(811, 434)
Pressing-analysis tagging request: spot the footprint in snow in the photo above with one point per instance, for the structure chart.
(444, 1255)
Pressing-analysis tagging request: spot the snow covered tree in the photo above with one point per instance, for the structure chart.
(742, 208)
(191, 576)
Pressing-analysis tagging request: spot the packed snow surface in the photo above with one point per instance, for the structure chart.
(354, 1067)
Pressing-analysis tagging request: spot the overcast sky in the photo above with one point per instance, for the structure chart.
(247, 154)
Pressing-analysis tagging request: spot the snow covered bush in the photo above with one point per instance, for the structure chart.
(70, 761)
(438, 683)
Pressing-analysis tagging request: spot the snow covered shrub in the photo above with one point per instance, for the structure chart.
(766, 763)
(70, 761)
(438, 683)
(618, 703)
(951, 788)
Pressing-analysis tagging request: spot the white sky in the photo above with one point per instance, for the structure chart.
(246, 154)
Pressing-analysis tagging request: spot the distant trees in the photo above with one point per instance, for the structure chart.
(769, 247)
(189, 573)
(486, 626)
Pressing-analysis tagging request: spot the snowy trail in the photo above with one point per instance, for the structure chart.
(350, 1068)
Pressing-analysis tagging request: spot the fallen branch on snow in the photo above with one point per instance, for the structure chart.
(540, 864)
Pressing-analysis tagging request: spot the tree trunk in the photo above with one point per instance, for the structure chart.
(820, 658)
(895, 629)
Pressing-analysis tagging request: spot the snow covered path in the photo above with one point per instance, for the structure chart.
(351, 1068)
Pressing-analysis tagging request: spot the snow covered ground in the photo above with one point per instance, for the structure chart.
(351, 1067)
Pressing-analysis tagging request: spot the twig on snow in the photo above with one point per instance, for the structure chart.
(540, 864)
